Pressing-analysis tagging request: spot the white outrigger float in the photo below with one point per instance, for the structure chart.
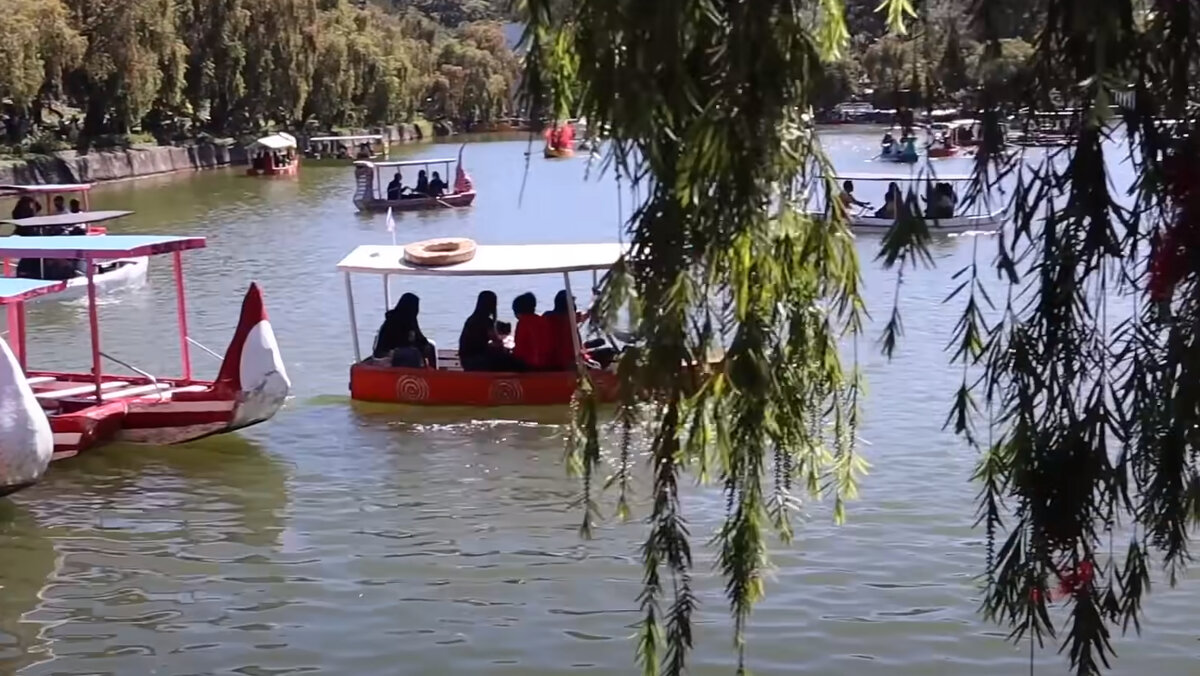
(983, 220)
(109, 275)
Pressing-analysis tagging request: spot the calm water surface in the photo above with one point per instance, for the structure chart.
(338, 539)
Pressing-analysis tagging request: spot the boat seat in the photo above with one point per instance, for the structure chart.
(189, 388)
(134, 391)
(448, 360)
(39, 380)
(67, 392)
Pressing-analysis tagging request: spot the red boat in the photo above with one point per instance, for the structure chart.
(447, 384)
(89, 408)
(273, 155)
(371, 194)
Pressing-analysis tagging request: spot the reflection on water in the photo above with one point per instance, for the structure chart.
(351, 539)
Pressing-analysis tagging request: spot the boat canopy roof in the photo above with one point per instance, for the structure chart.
(930, 176)
(276, 141)
(18, 289)
(81, 218)
(405, 163)
(93, 247)
(47, 189)
(362, 137)
(490, 260)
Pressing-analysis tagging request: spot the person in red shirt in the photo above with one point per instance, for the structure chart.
(531, 339)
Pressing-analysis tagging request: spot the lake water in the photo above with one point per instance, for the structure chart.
(340, 539)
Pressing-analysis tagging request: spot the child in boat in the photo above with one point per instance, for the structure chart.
(532, 341)
(480, 347)
(400, 340)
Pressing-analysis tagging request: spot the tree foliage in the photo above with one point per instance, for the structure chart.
(238, 65)
(1079, 380)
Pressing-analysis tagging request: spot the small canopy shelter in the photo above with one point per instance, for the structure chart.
(490, 260)
(48, 191)
(83, 218)
(346, 139)
(108, 247)
(279, 141)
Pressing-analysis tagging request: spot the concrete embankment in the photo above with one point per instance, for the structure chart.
(117, 164)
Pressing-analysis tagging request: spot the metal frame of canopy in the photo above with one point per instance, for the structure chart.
(50, 190)
(13, 294)
(496, 260)
(93, 249)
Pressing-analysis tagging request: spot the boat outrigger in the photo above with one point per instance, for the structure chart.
(447, 384)
(273, 155)
(26, 442)
(365, 147)
(937, 220)
(371, 194)
(109, 275)
(89, 408)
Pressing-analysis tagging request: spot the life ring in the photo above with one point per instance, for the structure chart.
(438, 252)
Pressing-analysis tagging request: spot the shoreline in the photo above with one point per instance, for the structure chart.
(145, 160)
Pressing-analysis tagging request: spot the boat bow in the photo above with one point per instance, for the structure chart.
(252, 373)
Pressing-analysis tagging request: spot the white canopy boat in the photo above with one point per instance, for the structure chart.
(986, 220)
(110, 275)
(349, 147)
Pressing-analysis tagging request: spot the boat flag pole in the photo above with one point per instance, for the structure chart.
(391, 225)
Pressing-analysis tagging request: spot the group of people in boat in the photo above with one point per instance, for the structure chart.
(275, 159)
(426, 187)
(905, 146)
(38, 268)
(940, 201)
(541, 342)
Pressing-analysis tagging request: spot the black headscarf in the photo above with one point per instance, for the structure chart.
(479, 328)
(400, 327)
(560, 305)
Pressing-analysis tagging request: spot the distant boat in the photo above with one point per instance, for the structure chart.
(370, 193)
(273, 155)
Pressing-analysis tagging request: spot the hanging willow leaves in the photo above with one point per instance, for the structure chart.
(706, 103)
(1080, 367)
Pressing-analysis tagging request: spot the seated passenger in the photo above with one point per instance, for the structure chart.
(24, 208)
(75, 207)
(532, 342)
(891, 202)
(395, 187)
(479, 346)
(422, 188)
(437, 187)
(59, 206)
(400, 339)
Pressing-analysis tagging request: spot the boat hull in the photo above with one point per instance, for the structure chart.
(289, 170)
(430, 387)
(558, 153)
(982, 223)
(456, 200)
(942, 153)
(898, 158)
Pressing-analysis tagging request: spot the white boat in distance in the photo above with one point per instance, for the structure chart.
(110, 275)
(986, 221)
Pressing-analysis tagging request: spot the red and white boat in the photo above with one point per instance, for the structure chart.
(89, 408)
(370, 191)
(273, 155)
(447, 384)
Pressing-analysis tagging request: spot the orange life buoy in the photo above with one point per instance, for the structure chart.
(443, 251)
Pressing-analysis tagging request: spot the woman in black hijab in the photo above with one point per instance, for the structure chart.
(479, 345)
(400, 336)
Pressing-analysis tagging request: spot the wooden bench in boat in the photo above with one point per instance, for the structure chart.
(40, 380)
(67, 392)
(447, 360)
(136, 391)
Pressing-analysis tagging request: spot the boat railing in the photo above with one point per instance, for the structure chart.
(131, 367)
(200, 345)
